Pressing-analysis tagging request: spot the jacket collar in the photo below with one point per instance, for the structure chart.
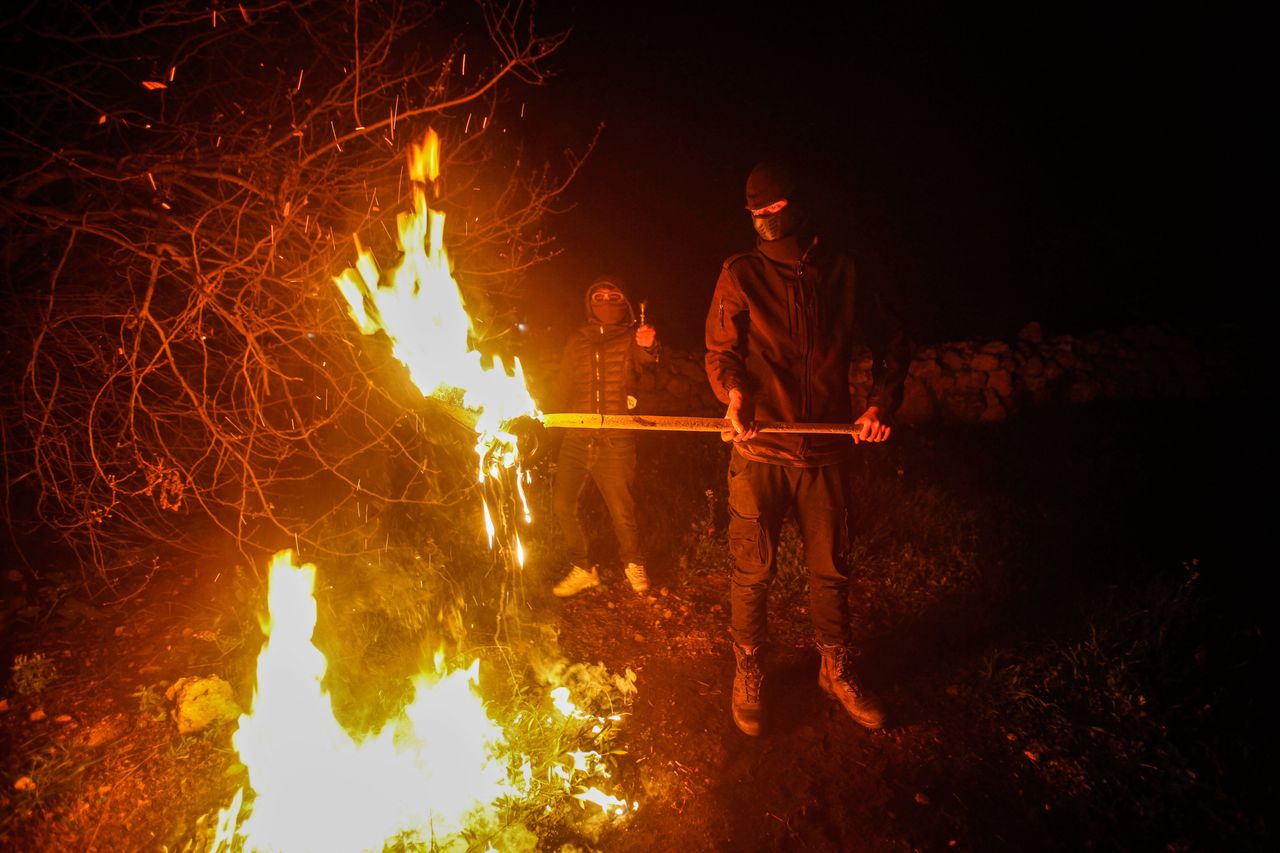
(788, 249)
(599, 331)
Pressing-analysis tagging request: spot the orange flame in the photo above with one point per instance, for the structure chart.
(432, 775)
(433, 769)
(419, 308)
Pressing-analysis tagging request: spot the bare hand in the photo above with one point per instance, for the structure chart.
(645, 336)
(742, 426)
(872, 428)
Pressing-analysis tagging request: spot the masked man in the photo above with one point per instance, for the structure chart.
(780, 342)
(598, 374)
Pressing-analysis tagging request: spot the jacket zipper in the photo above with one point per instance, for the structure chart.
(599, 407)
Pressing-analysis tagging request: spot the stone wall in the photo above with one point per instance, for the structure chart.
(987, 381)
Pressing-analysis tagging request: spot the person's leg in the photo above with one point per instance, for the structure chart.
(759, 495)
(821, 512)
(822, 519)
(614, 472)
(570, 480)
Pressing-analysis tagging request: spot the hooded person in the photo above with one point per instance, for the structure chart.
(599, 374)
(778, 208)
(780, 343)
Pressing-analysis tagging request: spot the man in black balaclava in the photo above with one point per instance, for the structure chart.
(598, 374)
(780, 344)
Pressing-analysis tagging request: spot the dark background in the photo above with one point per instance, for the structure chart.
(1081, 165)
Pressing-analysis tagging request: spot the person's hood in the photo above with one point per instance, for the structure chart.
(611, 281)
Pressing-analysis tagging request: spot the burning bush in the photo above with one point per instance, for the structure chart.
(185, 181)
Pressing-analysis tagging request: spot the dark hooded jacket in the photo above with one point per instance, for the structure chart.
(783, 330)
(601, 364)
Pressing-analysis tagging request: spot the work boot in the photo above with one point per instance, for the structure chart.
(835, 677)
(748, 710)
(576, 581)
(638, 577)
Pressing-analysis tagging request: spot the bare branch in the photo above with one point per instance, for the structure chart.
(185, 183)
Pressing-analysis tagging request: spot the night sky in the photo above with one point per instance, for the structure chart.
(1081, 165)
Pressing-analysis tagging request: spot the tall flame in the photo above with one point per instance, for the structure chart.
(419, 307)
(431, 770)
(433, 774)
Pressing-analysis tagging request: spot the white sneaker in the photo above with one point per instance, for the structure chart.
(638, 577)
(576, 581)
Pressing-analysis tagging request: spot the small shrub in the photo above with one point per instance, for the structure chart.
(1098, 710)
(33, 673)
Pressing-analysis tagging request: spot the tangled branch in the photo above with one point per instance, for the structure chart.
(188, 180)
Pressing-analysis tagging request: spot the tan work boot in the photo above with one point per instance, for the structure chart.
(576, 581)
(835, 678)
(748, 681)
(638, 578)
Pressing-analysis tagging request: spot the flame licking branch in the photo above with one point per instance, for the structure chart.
(440, 769)
(419, 308)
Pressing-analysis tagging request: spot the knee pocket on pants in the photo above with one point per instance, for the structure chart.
(747, 541)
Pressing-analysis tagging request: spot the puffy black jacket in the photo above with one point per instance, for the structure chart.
(601, 366)
(783, 330)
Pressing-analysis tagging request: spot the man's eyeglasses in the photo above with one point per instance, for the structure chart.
(607, 296)
(768, 209)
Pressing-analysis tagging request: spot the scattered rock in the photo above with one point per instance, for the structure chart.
(37, 715)
(1031, 333)
(24, 783)
(201, 702)
(922, 799)
(107, 729)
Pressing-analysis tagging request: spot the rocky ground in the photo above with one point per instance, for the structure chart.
(1008, 579)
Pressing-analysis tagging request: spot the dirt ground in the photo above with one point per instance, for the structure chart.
(935, 778)
(113, 773)
(107, 771)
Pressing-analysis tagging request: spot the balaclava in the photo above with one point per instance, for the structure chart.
(768, 183)
(613, 313)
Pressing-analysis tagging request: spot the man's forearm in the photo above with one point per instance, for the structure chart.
(723, 375)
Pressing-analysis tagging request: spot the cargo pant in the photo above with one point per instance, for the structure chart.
(608, 457)
(760, 495)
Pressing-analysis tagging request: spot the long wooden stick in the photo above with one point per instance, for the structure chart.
(677, 423)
